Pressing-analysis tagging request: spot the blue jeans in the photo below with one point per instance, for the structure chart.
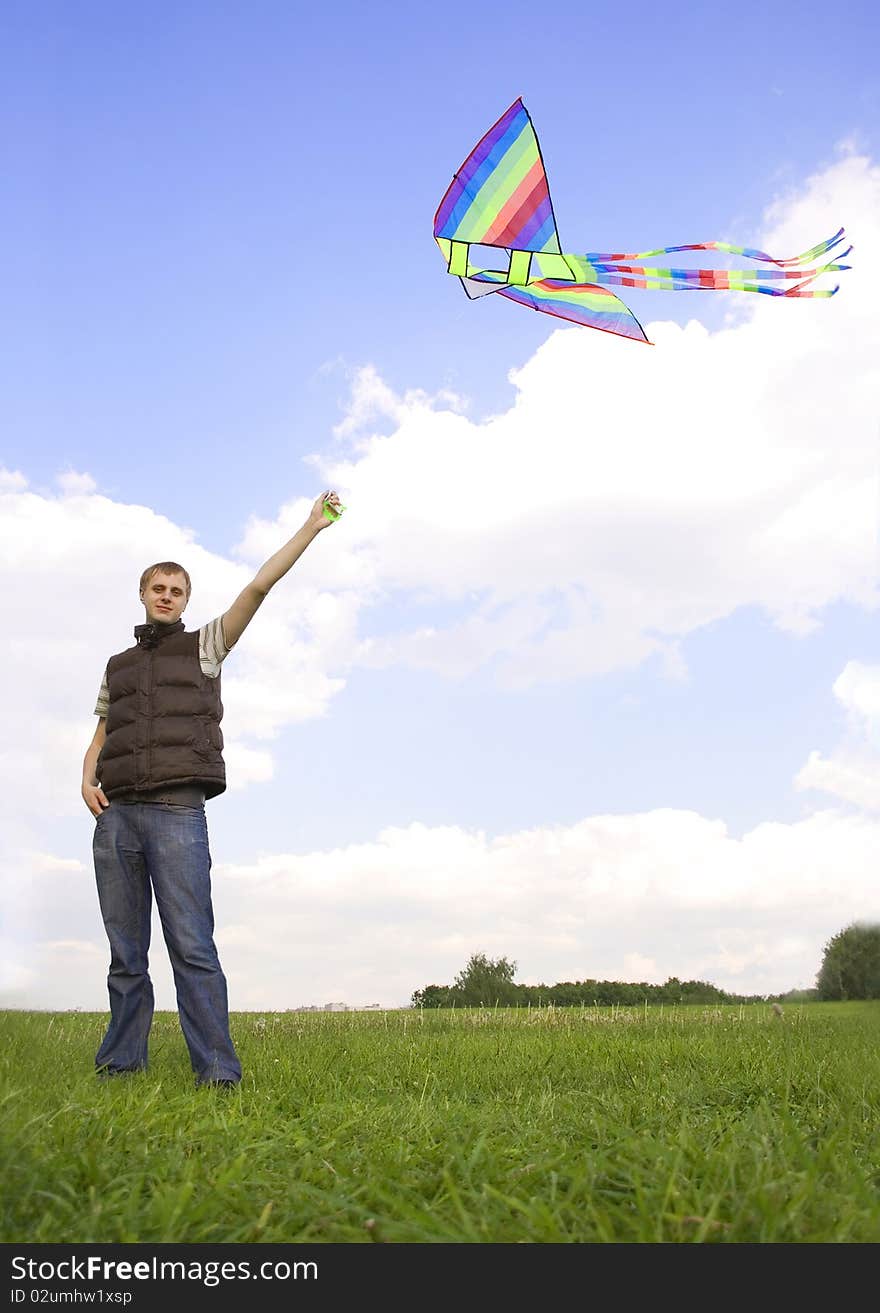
(141, 848)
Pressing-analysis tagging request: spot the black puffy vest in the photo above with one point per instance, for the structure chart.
(163, 722)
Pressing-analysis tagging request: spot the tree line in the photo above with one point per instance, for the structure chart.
(850, 969)
(486, 982)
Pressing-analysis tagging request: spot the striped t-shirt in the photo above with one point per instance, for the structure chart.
(212, 653)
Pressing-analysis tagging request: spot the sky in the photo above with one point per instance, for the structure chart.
(587, 674)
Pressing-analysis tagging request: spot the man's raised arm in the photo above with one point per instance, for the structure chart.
(249, 600)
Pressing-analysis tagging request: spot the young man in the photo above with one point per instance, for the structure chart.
(157, 754)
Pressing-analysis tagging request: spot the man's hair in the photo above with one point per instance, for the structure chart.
(165, 567)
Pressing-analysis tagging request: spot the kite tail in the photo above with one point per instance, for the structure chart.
(690, 280)
(822, 248)
(797, 290)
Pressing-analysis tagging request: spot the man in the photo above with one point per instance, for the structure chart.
(156, 756)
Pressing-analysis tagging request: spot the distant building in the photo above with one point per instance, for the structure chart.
(337, 1007)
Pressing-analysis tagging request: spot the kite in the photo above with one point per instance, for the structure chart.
(497, 233)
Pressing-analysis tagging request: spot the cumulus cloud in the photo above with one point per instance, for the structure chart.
(637, 897)
(630, 496)
(73, 484)
(619, 897)
(851, 780)
(370, 396)
(852, 771)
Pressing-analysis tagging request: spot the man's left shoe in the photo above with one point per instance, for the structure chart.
(112, 1073)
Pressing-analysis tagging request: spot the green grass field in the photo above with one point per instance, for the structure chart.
(689, 1125)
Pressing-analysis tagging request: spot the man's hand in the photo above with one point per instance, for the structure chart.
(95, 798)
(317, 519)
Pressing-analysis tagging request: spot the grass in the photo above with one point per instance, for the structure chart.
(653, 1125)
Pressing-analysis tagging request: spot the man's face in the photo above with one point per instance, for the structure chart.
(165, 598)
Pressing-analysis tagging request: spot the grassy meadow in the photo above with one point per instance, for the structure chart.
(689, 1124)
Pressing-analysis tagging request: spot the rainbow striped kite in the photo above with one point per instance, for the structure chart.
(497, 232)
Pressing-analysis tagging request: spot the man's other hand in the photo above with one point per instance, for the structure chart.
(95, 798)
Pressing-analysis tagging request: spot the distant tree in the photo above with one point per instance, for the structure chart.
(700, 991)
(432, 996)
(485, 982)
(670, 992)
(851, 965)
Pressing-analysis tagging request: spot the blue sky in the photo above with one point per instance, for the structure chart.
(222, 295)
(220, 208)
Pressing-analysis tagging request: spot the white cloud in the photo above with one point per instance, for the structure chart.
(631, 496)
(73, 484)
(852, 771)
(858, 689)
(372, 399)
(637, 967)
(247, 765)
(73, 947)
(639, 897)
(42, 862)
(853, 780)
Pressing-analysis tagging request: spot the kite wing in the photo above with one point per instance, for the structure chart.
(582, 303)
(499, 197)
